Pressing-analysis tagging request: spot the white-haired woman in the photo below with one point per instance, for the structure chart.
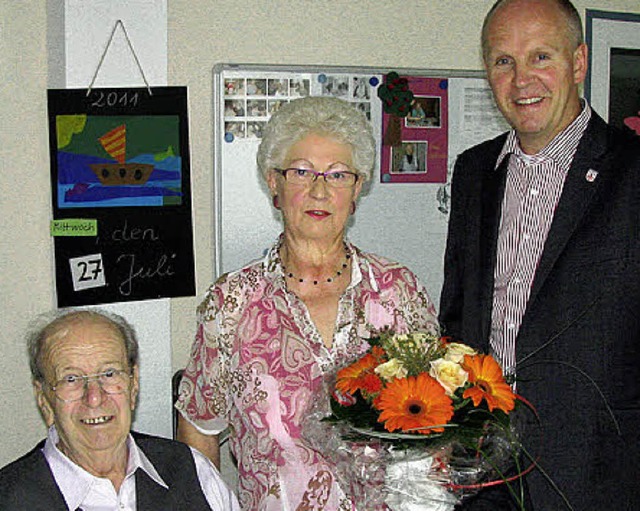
(268, 332)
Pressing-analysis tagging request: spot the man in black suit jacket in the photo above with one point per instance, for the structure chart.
(542, 264)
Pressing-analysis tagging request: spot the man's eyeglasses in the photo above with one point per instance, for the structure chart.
(333, 178)
(73, 386)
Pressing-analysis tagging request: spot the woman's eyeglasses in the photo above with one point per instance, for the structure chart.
(333, 178)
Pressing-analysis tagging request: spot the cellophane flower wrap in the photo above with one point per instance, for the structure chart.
(418, 423)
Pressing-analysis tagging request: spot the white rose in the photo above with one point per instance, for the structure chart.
(448, 374)
(456, 352)
(391, 369)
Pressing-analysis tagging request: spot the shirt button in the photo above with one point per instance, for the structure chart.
(516, 280)
(534, 191)
(511, 326)
(526, 236)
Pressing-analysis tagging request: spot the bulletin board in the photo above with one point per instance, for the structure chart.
(403, 211)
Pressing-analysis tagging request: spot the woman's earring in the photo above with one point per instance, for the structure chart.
(276, 203)
(353, 207)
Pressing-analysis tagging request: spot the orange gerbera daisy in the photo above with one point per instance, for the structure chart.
(414, 402)
(360, 375)
(488, 383)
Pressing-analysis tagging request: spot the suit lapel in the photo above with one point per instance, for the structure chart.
(577, 195)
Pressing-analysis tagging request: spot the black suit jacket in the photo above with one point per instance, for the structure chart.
(578, 348)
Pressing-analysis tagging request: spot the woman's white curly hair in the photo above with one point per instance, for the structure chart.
(319, 115)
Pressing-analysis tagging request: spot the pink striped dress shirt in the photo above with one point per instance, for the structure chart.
(532, 191)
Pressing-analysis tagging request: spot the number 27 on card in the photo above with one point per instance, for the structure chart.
(87, 272)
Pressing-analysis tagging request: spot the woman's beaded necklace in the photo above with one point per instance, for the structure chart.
(345, 265)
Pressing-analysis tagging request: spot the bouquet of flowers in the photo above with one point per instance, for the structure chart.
(417, 423)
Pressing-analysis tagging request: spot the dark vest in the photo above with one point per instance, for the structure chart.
(27, 484)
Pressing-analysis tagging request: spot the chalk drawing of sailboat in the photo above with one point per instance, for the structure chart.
(120, 173)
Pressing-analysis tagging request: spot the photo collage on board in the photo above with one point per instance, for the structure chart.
(249, 101)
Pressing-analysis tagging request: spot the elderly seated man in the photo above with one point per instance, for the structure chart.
(85, 375)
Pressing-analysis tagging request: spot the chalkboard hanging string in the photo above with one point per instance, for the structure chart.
(133, 52)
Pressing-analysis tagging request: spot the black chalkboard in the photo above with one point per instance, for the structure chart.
(121, 194)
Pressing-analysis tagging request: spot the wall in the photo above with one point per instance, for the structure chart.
(394, 33)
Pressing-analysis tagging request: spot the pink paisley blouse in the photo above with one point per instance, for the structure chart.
(258, 361)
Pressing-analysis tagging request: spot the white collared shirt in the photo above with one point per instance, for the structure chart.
(81, 489)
